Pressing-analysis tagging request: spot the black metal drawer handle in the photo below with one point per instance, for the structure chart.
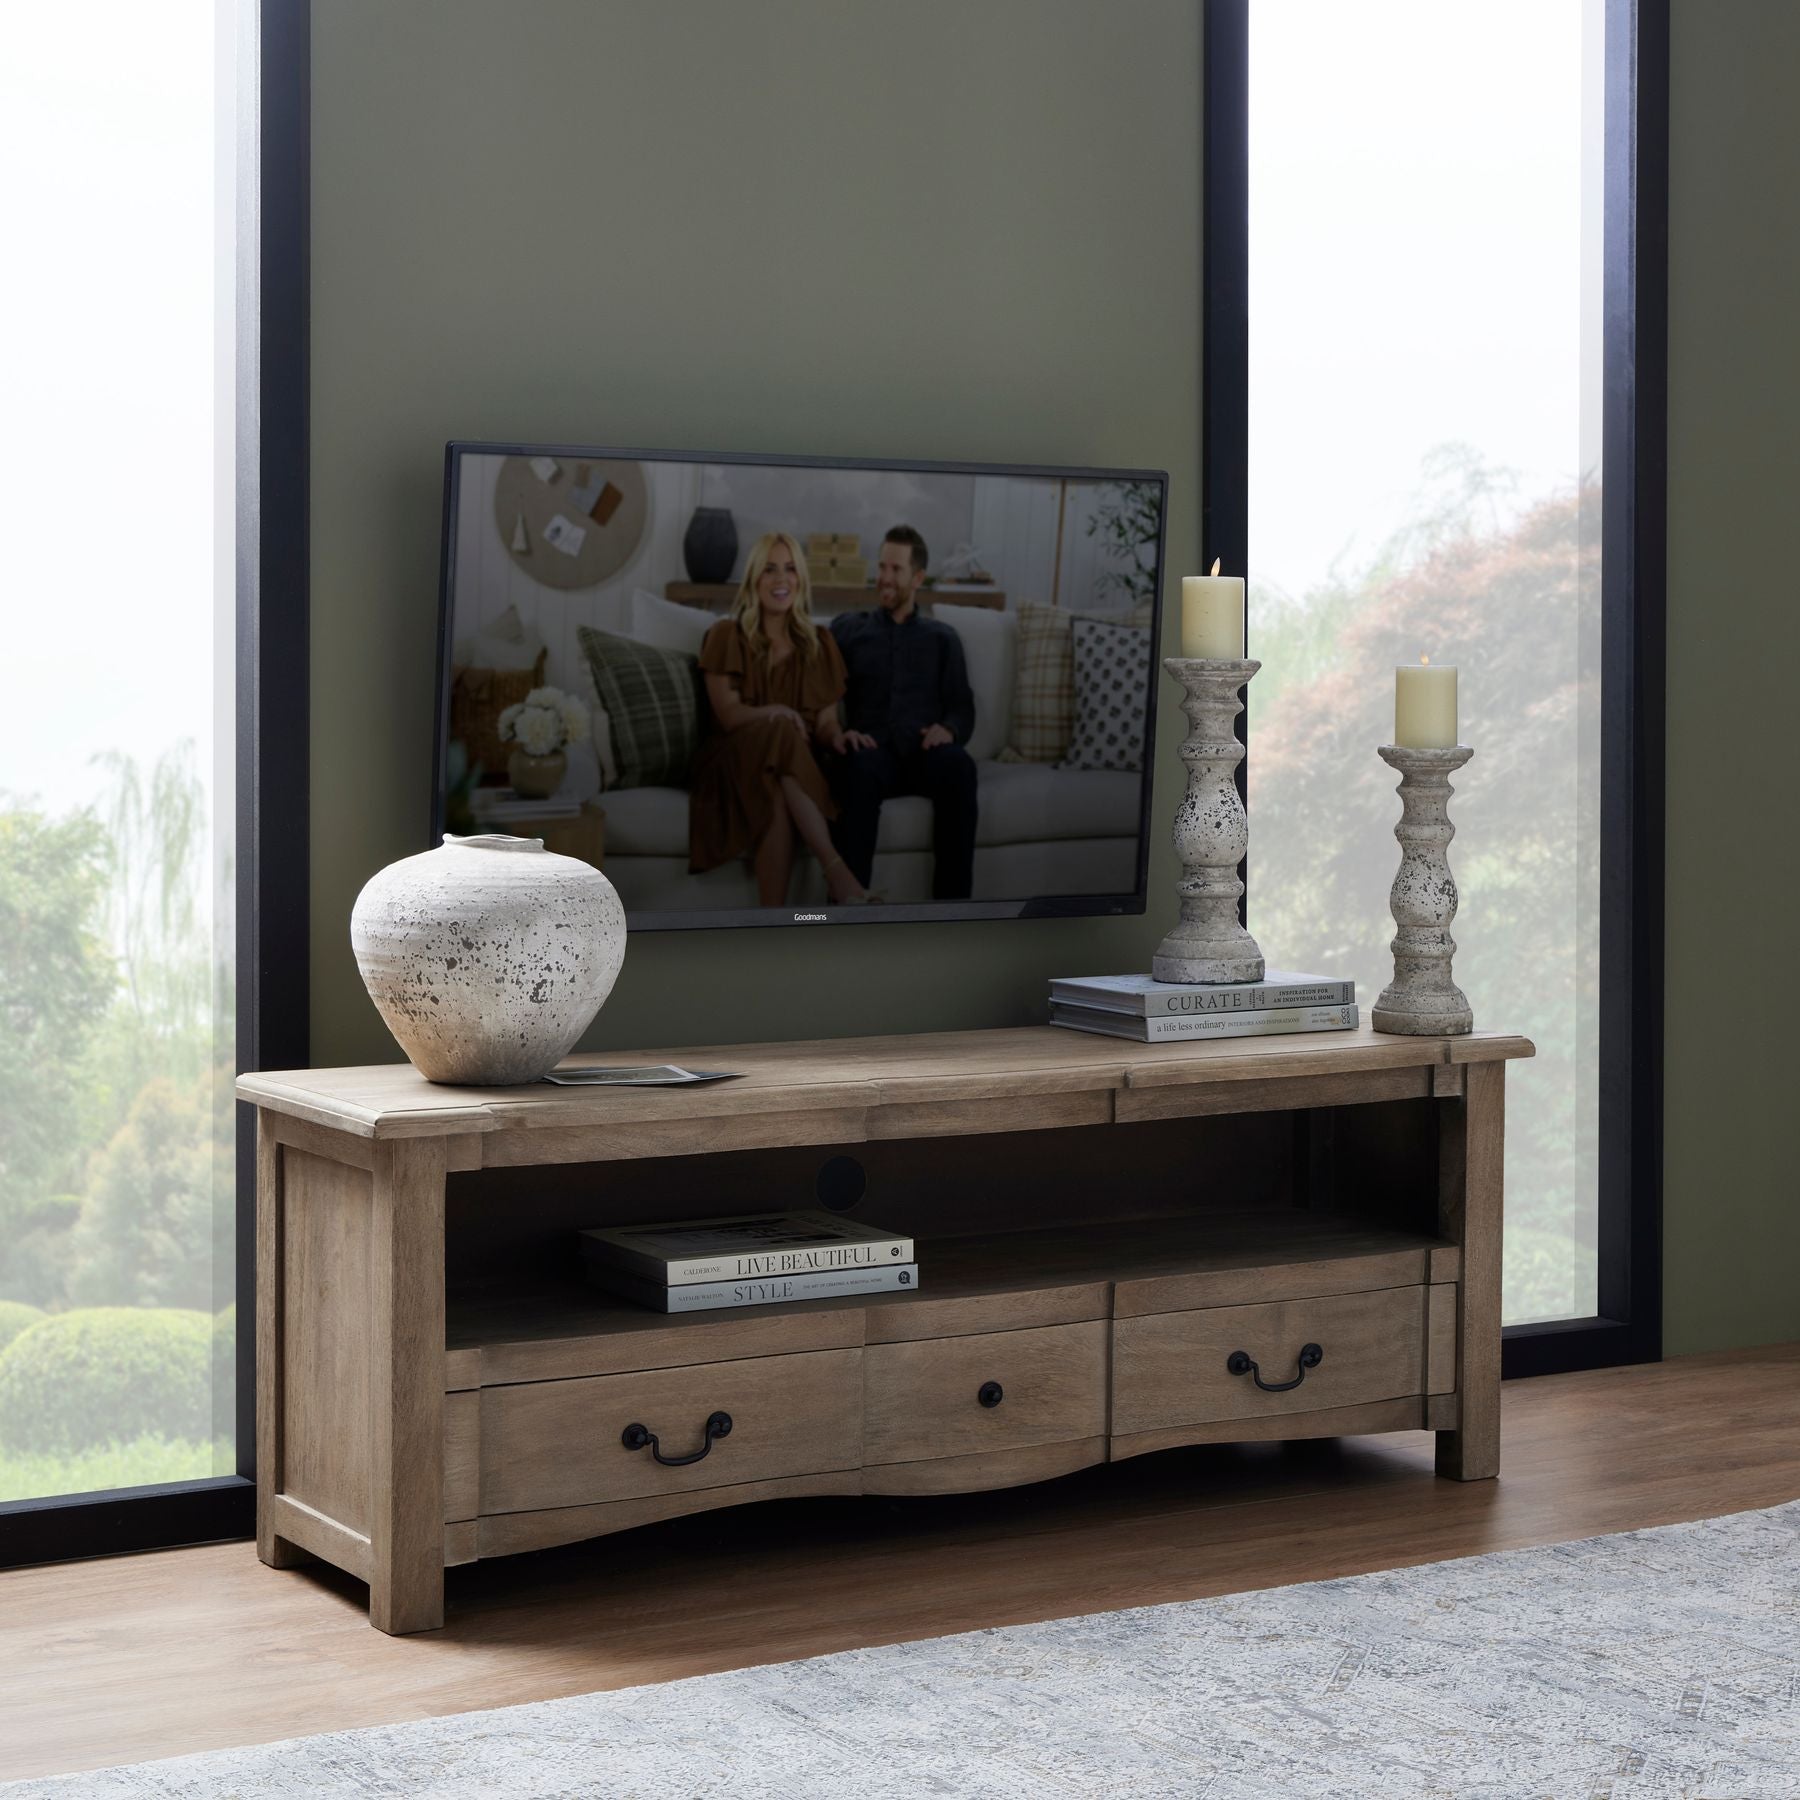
(640, 1437)
(990, 1393)
(1239, 1363)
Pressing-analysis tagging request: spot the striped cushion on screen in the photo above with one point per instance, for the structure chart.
(1043, 709)
(652, 701)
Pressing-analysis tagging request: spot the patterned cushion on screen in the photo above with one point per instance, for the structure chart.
(652, 701)
(1043, 709)
(1112, 676)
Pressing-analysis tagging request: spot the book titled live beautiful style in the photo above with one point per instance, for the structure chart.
(746, 1247)
(1149, 998)
(707, 1296)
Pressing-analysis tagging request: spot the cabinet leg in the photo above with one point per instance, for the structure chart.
(1468, 1455)
(271, 1220)
(1471, 1186)
(399, 1606)
(406, 1299)
(279, 1552)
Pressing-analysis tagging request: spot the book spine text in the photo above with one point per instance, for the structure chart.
(880, 1253)
(706, 1296)
(1186, 1002)
(1268, 1023)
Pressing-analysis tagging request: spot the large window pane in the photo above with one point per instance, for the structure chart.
(1424, 478)
(116, 1160)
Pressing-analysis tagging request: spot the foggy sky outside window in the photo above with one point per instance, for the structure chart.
(116, 513)
(1424, 233)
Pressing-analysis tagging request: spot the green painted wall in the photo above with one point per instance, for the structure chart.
(1732, 1210)
(943, 229)
(933, 229)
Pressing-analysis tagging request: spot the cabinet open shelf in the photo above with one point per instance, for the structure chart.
(1047, 1276)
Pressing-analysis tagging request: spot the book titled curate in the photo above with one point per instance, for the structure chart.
(773, 1290)
(1148, 998)
(744, 1247)
(1270, 1022)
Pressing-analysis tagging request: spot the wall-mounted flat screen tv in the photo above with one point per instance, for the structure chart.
(789, 690)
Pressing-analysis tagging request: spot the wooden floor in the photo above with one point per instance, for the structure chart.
(144, 1656)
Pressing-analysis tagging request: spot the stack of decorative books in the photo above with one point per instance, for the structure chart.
(758, 1260)
(1156, 1012)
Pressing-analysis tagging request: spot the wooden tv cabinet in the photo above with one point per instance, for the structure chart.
(1122, 1248)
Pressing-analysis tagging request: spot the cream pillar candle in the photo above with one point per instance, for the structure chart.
(1212, 616)
(1425, 706)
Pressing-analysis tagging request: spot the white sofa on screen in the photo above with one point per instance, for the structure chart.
(1042, 830)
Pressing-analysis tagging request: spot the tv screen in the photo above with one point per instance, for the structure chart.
(760, 690)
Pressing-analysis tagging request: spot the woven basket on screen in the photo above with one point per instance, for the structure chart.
(477, 699)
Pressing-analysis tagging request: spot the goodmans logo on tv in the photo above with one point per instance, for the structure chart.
(811, 918)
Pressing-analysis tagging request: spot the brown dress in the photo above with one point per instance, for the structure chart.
(737, 774)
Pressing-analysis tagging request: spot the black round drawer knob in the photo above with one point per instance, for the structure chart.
(990, 1393)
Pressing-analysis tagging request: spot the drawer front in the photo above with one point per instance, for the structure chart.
(561, 1443)
(926, 1399)
(1174, 1368)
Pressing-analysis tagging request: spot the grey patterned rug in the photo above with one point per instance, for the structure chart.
(1654, 1663)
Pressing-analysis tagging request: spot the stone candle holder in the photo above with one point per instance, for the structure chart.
(1211, 832)
(1422, 1000)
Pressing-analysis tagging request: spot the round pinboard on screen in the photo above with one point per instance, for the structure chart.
(570, 522)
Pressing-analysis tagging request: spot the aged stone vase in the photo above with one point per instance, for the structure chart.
(488, 957)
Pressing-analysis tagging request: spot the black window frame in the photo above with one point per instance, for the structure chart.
(271, 809)
(1628, 1325)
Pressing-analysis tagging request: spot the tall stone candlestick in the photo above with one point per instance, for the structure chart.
(1212, 832)
(1422, 1000)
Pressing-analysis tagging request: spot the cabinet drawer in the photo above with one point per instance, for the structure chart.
(1000, 1390)
(1174, 1369)
(561, 1443)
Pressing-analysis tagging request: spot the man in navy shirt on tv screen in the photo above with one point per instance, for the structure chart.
(908, 713)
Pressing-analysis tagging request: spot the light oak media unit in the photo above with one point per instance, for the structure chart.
(1122, 1248)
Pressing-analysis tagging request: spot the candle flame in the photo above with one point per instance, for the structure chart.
(1424, 658)
(1215, 567)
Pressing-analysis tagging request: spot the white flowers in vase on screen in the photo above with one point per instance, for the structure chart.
(541, 724)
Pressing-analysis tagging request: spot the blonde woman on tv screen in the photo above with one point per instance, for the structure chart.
(773, 684)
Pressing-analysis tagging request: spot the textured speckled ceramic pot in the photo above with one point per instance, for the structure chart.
(488, 957)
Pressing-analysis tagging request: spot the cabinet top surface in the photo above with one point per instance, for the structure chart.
(387, 1100)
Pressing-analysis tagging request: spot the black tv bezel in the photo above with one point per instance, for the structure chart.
(1045, 906)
